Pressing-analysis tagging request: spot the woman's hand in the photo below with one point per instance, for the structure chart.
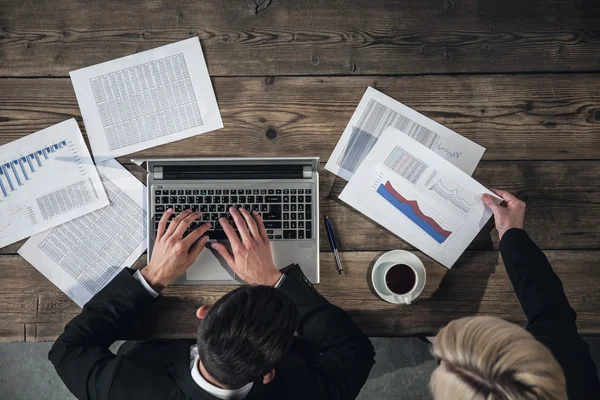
(506, 216)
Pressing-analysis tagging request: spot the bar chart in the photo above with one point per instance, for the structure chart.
(46, 178)
(17, 172)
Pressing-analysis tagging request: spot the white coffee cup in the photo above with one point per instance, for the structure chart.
(385, 263)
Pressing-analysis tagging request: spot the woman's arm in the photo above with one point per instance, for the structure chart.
(551, 320)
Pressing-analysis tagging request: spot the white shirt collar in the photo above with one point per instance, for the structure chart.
(225, 394)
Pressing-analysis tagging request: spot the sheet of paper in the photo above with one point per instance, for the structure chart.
(81, 256)
(46, 179)
(419, 196)
(375, 113)
(146, 99)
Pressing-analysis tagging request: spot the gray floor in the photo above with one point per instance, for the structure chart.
(402, 371)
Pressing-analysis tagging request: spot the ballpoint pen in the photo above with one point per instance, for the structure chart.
(338, 263)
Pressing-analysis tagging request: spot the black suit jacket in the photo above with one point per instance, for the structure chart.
(551, 320)
(330, 359)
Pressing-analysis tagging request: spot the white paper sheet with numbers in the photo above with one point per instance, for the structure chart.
(46, 178)
(81, 256)
(146, 99)
(375, 113)
(419, 196)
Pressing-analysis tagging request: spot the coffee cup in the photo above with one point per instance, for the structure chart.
(398, 277)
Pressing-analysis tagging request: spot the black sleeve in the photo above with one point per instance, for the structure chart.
(81, 354)
(346, 355)
(551, 320)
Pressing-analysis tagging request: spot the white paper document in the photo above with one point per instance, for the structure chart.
(375, 113)
(81, 256)
(146, 99)
(46, 179)
(419, 196)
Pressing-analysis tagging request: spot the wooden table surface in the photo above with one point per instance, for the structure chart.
(519, 77)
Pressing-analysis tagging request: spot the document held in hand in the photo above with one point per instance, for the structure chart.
(146, 99)
(419, 196)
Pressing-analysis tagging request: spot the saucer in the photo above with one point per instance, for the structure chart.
(399, 257)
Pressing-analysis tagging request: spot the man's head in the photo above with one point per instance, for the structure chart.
(243, 335)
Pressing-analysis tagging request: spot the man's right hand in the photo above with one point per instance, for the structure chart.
(250, 257)
(173, 254)
(506, 216)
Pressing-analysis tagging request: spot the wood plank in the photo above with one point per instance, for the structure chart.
(478, 284)
(342, 37)
(12, 332)
(516, 117)
(44, 332)
(563, 206)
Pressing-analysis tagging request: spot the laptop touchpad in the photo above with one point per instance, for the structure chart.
(209, 266)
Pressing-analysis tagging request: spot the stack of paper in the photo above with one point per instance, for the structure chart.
(83, 255)
(411, 175)
(92, 223)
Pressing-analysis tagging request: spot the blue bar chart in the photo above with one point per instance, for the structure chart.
(47, 178)
(15, 173)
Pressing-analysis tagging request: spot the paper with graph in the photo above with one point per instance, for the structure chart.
(375, 113)
(46, 179)
(81, 256)
(419, 196)
(146, 99)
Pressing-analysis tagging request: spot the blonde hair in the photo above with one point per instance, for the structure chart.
(487, 358)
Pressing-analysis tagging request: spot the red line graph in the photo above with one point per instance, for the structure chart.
(415, 207)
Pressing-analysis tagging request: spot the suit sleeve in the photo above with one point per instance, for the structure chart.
(551, 320)
(345, 354)
(81, 353)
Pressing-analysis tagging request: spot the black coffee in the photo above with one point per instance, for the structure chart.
(400, 279)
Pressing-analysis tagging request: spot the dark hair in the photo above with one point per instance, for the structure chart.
(245, 333)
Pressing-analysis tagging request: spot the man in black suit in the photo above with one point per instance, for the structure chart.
(246, 348)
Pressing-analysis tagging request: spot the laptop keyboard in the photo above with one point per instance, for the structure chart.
(287, 213)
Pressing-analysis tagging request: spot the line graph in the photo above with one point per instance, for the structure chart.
(12, 219)
(449, 194)
(410, 208)
(452, 196)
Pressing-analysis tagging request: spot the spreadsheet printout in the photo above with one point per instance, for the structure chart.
(46, 179)
(81, 256)
(419, 196)
(377, 111)
(146, 99)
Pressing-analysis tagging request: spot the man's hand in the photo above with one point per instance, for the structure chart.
(173, 254)
(506, 216)
(251, 257)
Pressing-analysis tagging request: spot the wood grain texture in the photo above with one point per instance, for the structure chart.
(563, 206)
(516, 117)
(477, 285)
(288, 76)
(286, 37)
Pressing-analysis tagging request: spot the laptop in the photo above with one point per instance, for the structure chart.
(285, 191)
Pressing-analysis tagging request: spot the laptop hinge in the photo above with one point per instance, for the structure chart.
(307, 172)
(232, 172)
